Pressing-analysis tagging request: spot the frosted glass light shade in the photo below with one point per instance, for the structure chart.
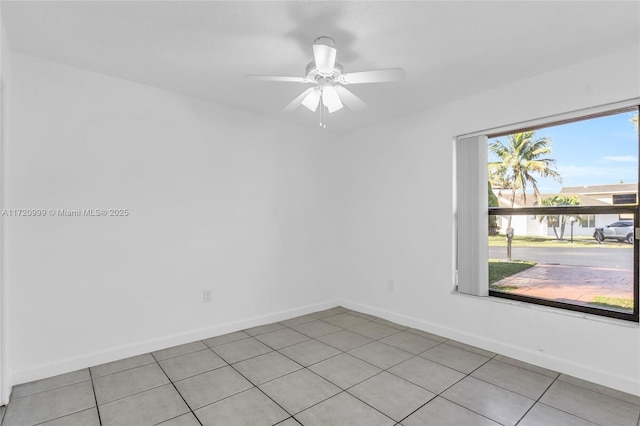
(331, 99)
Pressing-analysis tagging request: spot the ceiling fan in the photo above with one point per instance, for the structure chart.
(329, 80)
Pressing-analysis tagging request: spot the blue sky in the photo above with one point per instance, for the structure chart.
(592, 152)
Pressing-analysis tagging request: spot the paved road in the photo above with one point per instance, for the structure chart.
(618, 258)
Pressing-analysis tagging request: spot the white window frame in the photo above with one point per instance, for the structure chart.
(470, 208)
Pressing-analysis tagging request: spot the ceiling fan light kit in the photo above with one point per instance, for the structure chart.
(329, 79)
(311, 100)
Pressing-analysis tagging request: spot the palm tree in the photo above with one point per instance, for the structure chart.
(493, 202)
(555, 220)
(522, 158)
(498, 177)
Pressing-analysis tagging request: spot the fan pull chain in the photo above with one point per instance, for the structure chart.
(323, 122)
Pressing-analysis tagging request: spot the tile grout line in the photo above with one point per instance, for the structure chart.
(563, 411)
(557, 379)
(341, 390)
(221, 399)
(466, 408)
(341, 352)
(135, 393)
(197, 374)
(498, 386)
(364, 402)
(598, 392)
(61, 417)
(258, 388)
(359, 346)
(176, 356)
(452, 385)
(367, 321)
(47, 390)
(120, 371)
(512, 391)
(253, 386)
(469, 375)
(346, 390)
(538, 400)
(177, 391)
(242, 360)
(449, 387)
(65, 415)
(95, 397)
(305, 323)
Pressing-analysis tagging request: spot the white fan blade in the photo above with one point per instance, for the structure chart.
(312, 100)
(298, 101)
(277, 78)
(324, 56)
(331, 99)
(349, 99)
(376, 76)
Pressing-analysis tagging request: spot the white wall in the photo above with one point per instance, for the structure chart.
(276, 219)
(399, 192)
(219, 199)
(5, 66)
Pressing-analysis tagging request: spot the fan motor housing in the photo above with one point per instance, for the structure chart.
(314, 74)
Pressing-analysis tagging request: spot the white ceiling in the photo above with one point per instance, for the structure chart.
(449, 49)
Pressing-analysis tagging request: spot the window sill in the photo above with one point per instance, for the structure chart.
(554, 310)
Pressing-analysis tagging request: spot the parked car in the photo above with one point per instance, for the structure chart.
(621, 230)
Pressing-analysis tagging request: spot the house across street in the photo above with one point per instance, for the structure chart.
(594, 195)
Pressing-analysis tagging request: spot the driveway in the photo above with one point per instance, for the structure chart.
(571, 284)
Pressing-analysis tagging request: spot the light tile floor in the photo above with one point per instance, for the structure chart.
(335, 367)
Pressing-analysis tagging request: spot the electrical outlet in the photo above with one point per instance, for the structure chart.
(206, 296)
(391, 286)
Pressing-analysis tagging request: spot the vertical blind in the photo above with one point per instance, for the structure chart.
(472, 216)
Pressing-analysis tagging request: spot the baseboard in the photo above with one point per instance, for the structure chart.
(566, 366)
(533, 357)
(97, 358)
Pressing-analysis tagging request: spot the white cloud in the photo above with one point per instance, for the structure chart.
(621, 158)
(592, 175)
(572, 171)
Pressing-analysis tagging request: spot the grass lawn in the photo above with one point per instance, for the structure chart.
(550, 242)
(612, 302)
(499, 269)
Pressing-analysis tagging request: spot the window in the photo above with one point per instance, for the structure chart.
(563, 231)
(588, 220)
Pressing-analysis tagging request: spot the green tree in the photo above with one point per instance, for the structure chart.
(559, 220)
(493, 202)
(498, 177)
(522, 158)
